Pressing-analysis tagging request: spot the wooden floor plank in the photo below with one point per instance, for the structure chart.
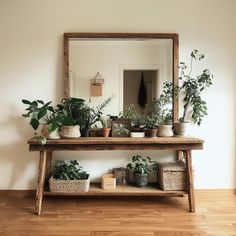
(120, 216)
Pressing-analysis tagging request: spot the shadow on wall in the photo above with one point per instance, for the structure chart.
(17, 164)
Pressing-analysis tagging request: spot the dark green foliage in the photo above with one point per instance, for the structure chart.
(142, 165)
(193, 87)
(69, 170)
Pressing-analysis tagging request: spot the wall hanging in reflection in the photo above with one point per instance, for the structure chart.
(142, 94)
(96, 85)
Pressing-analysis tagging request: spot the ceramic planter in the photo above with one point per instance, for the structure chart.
(85, 132)
(165, 131)
(67, 131)
(52, 135)
(140, 180)
(151, 133)
(181, 129)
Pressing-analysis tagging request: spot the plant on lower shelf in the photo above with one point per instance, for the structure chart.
(141, 166)
(69, 176)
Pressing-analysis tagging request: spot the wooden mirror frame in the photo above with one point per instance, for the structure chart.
(174, 37)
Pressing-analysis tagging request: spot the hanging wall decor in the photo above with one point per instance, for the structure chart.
(96, 85)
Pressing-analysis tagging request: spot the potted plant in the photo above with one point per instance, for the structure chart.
(137, 120)
(67, 116)
(68, 176)
(88, 116)
(42, 113)
(191, 88)
(165, 127)
(141, 166)
(105, 131)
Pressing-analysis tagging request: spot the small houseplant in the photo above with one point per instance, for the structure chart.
(43, 113)
(88, 116)
(105, 131)
(141, 166)
(191, 88)
(68, 110)
(69, 176)
(137, 120)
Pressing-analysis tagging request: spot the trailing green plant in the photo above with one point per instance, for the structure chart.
(142, 165)
(192, 87)
(69, 170)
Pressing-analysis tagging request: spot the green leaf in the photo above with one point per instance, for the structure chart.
(26, 115)
(34, 123)
(42, 113)
(26, 101)
(52, 127)
(40, 101)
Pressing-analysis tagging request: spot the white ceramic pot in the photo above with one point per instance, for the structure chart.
(181, 129)
(165, 131)
(51, 135)
(67, 131)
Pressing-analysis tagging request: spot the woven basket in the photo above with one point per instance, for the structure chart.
(68, 186)
(172, 175)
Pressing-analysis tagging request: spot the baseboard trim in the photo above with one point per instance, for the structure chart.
(17, 193)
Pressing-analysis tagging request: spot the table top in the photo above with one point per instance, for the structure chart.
(121, 143)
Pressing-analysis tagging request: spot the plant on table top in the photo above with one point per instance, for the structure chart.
(192, 87)
(88, 116)
(69, 170)
(129, 112)
(142, 165)
(105, 122)
(41, 113)
(69, 109)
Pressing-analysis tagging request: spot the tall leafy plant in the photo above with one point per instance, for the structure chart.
(192, 88)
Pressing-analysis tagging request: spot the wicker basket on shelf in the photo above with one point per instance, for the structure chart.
(172, 175)
(66, 186)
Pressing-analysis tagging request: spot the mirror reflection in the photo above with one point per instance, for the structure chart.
(132, 71)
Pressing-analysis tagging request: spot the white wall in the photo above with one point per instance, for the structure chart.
(31, 67)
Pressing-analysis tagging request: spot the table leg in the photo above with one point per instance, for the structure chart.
(48, 166)
(41, 180)
(190, 187)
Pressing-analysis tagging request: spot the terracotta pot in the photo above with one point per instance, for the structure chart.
(151, 133)
(181, 129)
(165, 131)
(105, 132)
(52, 135)
(67, 131)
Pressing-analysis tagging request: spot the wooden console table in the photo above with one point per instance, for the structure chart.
(185, 144)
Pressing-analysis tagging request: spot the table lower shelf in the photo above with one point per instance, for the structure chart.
(121, 190)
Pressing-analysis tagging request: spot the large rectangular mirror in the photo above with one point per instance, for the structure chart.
(128, 62)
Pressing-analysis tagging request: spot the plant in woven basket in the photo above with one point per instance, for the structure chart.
(141, 166)
(69, 170)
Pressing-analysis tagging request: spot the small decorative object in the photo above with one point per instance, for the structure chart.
(120, 127)
(122, 175)
(137, 134)
(109, 181)
(192, 87)
(141, 166)
(68, 176)
(172, 175)
(96, 85)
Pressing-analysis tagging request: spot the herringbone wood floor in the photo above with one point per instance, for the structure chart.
(120, 216)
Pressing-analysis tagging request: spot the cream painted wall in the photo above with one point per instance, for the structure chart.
(31, 67)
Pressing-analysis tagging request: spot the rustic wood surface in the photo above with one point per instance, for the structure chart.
(127, 190)
(116, 216)
(113, 143)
